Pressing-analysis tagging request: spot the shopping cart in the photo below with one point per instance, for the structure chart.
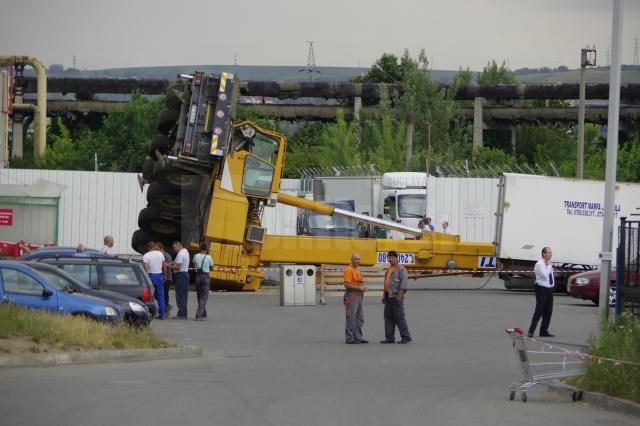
(541, 362)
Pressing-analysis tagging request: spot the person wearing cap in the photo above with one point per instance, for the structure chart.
(395, 287)
(353, 298)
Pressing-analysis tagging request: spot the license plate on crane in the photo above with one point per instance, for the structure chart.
(403, 258)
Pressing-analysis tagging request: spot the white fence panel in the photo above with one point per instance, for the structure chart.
(93, 205)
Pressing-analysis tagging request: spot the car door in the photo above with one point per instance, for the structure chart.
(121, 278)
(25, 290)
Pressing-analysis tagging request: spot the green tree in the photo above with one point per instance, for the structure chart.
(496, 74)
(339, 144)
(126, 133)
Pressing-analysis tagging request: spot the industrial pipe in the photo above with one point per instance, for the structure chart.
(328, 210)
(40, 144)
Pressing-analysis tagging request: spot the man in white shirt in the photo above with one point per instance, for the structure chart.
(108, 245)
(180, 265)
(156, 267)
(545, 282)
(445, 227)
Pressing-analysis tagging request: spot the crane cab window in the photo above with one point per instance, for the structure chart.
(265, 148)
(257, 177)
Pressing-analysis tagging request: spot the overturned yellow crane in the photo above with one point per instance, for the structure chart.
(223, 175)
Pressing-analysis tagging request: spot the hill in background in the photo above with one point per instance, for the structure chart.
(630, 73)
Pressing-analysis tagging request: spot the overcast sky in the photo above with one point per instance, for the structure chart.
(127, 33)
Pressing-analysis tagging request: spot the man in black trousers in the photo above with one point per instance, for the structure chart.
(395, 287)
(545, 283)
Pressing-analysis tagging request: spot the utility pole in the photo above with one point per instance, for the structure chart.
(612, 156)
(587, 58)
(636, 47)
(407, 161)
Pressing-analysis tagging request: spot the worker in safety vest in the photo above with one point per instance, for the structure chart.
(353, 297)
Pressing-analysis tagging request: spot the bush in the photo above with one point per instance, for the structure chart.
(619, 341)
(66, 333)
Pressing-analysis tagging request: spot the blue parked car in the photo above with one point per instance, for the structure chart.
(55, 251)
(25, 287)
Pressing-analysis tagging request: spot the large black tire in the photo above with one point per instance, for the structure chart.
(147, 170)
(140, 238)
(169, 199)
(159, 143)
(173, 99)
(162, 225)
(167, 120)
(175, 177)
(139, 241)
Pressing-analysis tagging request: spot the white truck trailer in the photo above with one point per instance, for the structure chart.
(562, 213)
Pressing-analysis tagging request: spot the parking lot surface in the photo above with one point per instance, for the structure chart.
(271, 365)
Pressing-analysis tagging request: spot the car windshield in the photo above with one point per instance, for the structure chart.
(54, 279)
(63, 277)
(319, 221)
(412, 205)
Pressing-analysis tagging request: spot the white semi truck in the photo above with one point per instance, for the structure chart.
(562, 213)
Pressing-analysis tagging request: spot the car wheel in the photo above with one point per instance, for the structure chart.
(167, 120)
(176, 177)
(161, 224)
(168, 199)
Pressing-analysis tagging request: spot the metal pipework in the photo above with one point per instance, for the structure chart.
(40, 144)
(332, 211)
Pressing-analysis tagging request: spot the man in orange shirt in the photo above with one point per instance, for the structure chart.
(352, 280)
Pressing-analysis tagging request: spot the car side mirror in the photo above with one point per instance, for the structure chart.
(47, 293)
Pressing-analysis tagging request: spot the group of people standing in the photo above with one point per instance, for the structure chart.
(395, 288)
(163, 271)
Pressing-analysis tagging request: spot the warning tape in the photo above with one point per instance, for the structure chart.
(410, 270)
(578, 354)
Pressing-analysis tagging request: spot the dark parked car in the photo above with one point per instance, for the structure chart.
(133, 311)
(54, 251)
(104, 272)
(586, 286)
(23, 286)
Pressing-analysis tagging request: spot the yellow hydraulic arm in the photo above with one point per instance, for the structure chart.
(433, 250)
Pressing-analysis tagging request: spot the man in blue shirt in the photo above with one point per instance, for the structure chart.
(203, 263)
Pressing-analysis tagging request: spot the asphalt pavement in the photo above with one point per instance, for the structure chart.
(270, 365)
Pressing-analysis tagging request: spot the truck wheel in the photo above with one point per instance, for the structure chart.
(147, 170)
(176, 177)
(167, 198)
(160, 143)
(166, 120)
(140, 238)
(158, 223)
(173, 99)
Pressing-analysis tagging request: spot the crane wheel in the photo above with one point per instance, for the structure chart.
(147, 170)
(168, 199)
(164, 226)
(176, 177)
(140, 238)
(173, 99)
(167, 120)
(160, 143)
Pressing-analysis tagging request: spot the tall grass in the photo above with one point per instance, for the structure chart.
(67, 333)
(619, 341)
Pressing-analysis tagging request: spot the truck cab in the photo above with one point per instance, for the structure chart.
(403, 196)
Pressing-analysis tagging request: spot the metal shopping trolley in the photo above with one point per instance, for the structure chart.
(542, 362)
